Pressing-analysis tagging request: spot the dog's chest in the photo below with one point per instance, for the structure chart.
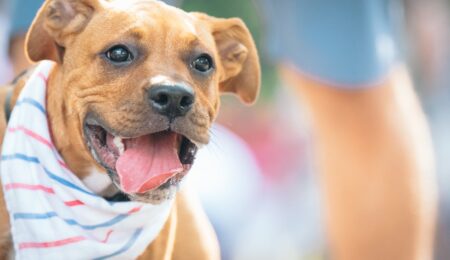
(100, 183)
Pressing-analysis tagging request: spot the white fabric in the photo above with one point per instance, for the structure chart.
(53, 215)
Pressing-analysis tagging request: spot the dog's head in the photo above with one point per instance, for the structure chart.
(141, 82)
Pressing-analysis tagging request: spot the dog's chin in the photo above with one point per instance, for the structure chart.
(163, 193)
(107, 148)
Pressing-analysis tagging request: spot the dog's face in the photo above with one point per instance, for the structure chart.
(141, 82)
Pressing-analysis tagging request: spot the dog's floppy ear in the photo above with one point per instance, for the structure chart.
(55, 25)
(241, 73)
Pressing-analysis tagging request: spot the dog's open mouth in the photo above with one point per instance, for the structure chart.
(143, 163)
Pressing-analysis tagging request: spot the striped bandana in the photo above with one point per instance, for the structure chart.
(53, 215)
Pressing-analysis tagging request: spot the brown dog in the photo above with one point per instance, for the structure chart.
(137, 74)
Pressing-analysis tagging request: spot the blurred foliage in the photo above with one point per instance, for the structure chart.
(249, 12)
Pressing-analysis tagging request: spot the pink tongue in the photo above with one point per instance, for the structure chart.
(148, 162)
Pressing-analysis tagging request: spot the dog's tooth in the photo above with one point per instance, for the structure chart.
(118, 142)
(199, 145)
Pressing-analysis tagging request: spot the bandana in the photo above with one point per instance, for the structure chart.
(53, 214)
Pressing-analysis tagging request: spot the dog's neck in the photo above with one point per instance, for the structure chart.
(66, 131)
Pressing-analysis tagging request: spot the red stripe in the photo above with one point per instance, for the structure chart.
(32, 135)
(134, 210)
(62, 242)
(11, 186)
(107, 237)
(56, 243)
(63, 164)
(73, 203)
(43, 77)
(39, 139)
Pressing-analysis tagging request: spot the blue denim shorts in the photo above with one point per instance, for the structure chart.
(347, 43)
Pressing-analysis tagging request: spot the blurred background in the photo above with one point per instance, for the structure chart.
(257, 179)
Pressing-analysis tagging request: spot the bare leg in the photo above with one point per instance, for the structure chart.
(375, 157)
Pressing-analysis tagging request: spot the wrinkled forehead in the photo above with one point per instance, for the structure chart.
(149, 21)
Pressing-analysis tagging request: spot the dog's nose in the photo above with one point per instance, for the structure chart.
(171, 100)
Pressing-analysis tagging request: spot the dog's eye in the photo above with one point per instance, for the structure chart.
(119, 54)
(203, 63)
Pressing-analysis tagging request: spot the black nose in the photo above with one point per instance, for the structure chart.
(171, 100)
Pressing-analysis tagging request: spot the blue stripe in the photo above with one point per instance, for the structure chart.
(33, 103)
(67, 183)
(34, 215)
(51, 175)
(109, 223)
(71, 222)
(20, 157)
(127, 246)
